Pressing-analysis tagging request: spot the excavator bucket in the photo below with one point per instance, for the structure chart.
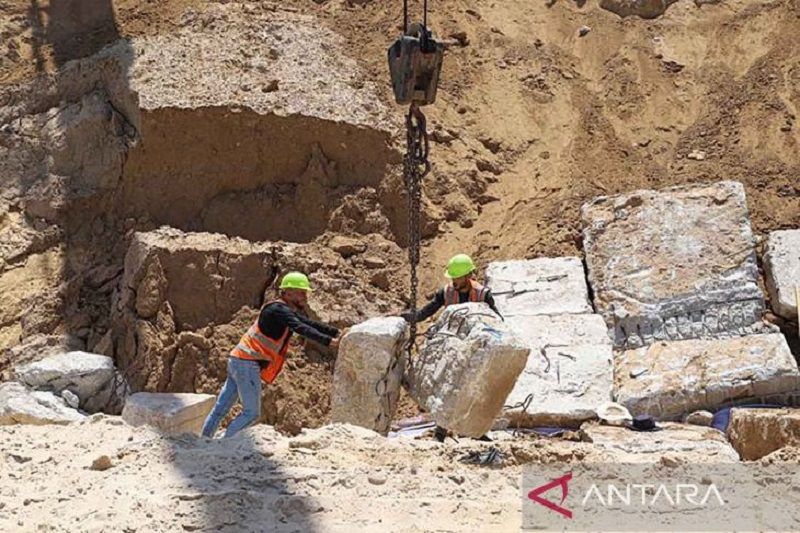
(415, 61)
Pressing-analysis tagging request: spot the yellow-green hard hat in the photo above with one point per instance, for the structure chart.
(295, 280)
(459, 265)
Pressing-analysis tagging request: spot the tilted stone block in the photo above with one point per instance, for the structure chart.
(467, 368)
(369, 367)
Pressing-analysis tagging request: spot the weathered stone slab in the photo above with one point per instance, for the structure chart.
(467, 368)
(670, 379)
(84, 374)
(782, 265)
(681, 442)
(20, 405)
(673, 264)
(171, 413)
(758, 432)
(369, 367)
(568, 372)
(544, 286)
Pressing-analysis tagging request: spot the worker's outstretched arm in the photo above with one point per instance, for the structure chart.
(304, 330)
(429, 309)
(327, 329)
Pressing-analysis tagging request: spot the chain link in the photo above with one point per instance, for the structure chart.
(415, 167)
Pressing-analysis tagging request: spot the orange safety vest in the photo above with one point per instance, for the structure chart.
(255, 346)
(477, 293)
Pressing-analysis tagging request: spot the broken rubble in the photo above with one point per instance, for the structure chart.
(685, 443)
(171, 413)
(82, 373)
(670, 379)
(782, 266)
(466, 368)
(369, 353)
(674, 264)
(544, 286)
(758, 432)
(19, 405)
(568, 372)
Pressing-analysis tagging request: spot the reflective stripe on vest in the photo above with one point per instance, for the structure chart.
(477, 293)
(254, 345)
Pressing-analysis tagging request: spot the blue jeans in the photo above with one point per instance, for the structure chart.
(244, 382)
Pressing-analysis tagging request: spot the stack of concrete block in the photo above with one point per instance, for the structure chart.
(674, 274)
(568, 373)
(369, 367)
(466, 368)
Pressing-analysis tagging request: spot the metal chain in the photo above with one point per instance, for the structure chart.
(415, 167)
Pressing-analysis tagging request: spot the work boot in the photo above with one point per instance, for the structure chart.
(439, 433)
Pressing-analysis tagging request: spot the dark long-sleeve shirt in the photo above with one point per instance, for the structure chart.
(277, 316)
(438, 302)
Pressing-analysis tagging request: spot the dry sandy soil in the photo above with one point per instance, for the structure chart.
(532, 120)
(103, 475)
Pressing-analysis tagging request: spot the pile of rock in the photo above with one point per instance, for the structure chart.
(674, 274)
(61, 389)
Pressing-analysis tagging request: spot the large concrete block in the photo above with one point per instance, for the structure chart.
(84, 374)
(369, 353)
(544, 286)
(670, 379)
(171, 413)
(568, 372)
(758, 432)
(467, 368)
(682, 442)
(782, 265)
(20, 405)
(673, 264)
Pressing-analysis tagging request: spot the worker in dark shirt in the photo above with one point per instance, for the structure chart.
(462, 289)
(261, 352)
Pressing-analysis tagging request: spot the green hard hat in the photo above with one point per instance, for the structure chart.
(459, 265)
(295, 280)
